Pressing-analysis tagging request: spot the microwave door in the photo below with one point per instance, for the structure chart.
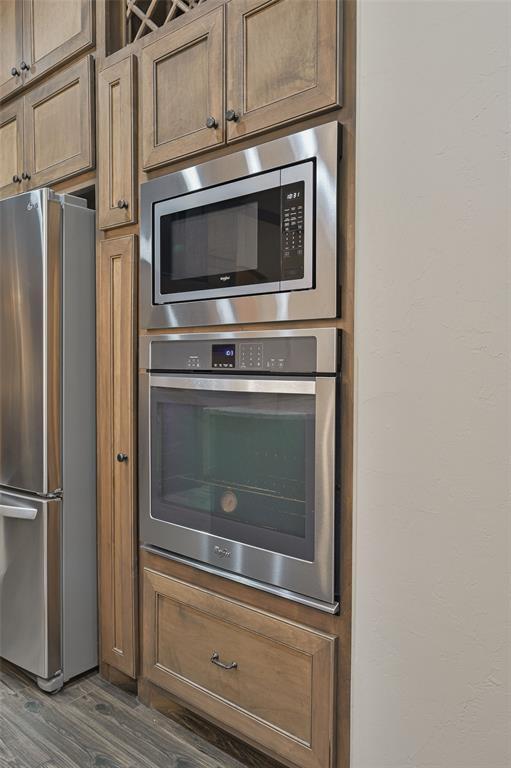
(29, 342)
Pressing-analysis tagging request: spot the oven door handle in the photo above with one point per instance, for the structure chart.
(228, 384)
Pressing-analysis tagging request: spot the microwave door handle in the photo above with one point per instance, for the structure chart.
(21, 513)
(267, 386)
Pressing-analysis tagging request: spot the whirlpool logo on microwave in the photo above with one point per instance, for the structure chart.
(221, 551)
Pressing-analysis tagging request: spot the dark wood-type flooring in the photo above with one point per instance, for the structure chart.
(93, 724)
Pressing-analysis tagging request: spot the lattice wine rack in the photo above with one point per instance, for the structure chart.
(145, 16)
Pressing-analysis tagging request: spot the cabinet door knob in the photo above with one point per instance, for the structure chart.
(16, 179)
(122, 457)
(25, 176)
(122, 204)
(15, 72)
(232, 116)
(211, 122)
(24, 66)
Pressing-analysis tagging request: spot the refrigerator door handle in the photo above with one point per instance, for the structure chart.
(22, 513)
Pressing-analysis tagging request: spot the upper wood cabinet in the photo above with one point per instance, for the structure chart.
(116, 301)
(11, 148)
(59, 125)
(116, 144)
(54, 31)
(37, 36)
(282, 61)
(183, 91)
(11, 76)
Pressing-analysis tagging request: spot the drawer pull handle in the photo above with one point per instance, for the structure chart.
(215, 659)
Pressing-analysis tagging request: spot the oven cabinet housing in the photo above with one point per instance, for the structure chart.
(36, 37)
(266, 679)
(279, 59)
(117, 144)
(48, 134)
(208, 209)
(117, 529)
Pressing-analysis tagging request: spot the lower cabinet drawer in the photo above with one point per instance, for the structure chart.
(265, 678)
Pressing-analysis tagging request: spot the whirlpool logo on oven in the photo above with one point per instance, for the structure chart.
(222, 552)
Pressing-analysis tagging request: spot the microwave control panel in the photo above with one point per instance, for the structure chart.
(292, 230)
(260, 355)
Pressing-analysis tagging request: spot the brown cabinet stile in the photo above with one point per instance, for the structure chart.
(117, 464)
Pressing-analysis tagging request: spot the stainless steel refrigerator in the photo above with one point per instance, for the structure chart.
(48, 607)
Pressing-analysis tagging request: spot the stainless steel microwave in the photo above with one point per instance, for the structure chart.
(244, 238)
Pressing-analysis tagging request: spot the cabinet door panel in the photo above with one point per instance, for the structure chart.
(54, 31)
(116, 144)
(116, 435)
(282, 61)
(10, 46)
(182, 85)
(11, 148)
(59, 125)
(277, 687)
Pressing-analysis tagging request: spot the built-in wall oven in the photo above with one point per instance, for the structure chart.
(246, 237)
(238, 456)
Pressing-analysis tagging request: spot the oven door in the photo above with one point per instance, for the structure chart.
(239, 473)
(253, 235)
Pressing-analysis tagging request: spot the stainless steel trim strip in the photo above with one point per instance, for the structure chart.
(331, 608)
(227, 384)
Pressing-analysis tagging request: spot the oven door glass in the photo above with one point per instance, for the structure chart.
(236, 464)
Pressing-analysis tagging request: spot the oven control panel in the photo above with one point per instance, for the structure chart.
(275, 355)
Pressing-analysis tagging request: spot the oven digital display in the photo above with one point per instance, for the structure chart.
(223, 356)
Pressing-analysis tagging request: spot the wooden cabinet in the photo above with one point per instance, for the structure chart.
(280, 58)
(116, 334)
(11, 30)
(37, 36)
(117, 144)
(182, 91)
(11, 148)
(265, 678)
(59, 126)
(282, 61)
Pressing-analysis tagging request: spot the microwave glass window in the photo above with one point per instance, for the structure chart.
(236, 465)
(221, 240)
(229, 243)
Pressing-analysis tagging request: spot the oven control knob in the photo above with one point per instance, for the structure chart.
(122, 457)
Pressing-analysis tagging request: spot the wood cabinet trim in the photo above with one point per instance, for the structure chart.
(210, 27)
(67, 50)
(123, 73)
(13, 112)
(82, 73)
(116, 433)
(315, 751)
(13, 83)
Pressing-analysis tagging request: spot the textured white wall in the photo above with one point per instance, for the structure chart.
(431, 643)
